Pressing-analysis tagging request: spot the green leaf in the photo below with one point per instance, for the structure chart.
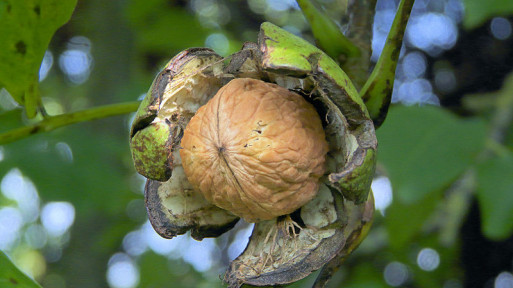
(26, 30)
(11, 276)
(404, 221)
(478, 11)
(11, 119)
(495, 196)
(425, 148)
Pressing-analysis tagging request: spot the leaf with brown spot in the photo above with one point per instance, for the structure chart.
(26, 30)
(11, 276)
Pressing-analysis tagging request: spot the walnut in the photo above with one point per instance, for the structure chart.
(255, 149)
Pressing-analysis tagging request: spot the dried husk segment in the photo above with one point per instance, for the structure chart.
(185, 84)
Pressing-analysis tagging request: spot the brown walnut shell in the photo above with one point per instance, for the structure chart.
(255, 149)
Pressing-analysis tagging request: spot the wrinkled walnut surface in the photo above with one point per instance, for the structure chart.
(255, 149)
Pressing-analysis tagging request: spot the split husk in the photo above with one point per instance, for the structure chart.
(288, 248)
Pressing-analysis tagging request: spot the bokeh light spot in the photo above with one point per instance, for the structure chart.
(453, 283)
(428, 259)
(258, 6)
(396, 274)
(122, 272)
(57, 217)
(200, 254)
(504, 280)
(136, 210)
(241, 240)
(218, 42)
(455, 10)
(432, 32)
(53, 253)
(445, 80)
(6, 101)
(134, 243)
(282, 5)
(46, 65)
(53, 106)
(31, 262)
(382, 190)
(382, 22)
(500, 28)
(36, 236)
(418, 91)
(158, 244)
(414, 65)
(64, 151)
(76, 62)
(11, 222)
(16, 187)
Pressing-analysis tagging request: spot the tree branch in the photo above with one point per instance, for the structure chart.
(359, 20)
(54, 122)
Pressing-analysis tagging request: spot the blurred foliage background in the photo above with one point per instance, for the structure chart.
(71, 206)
